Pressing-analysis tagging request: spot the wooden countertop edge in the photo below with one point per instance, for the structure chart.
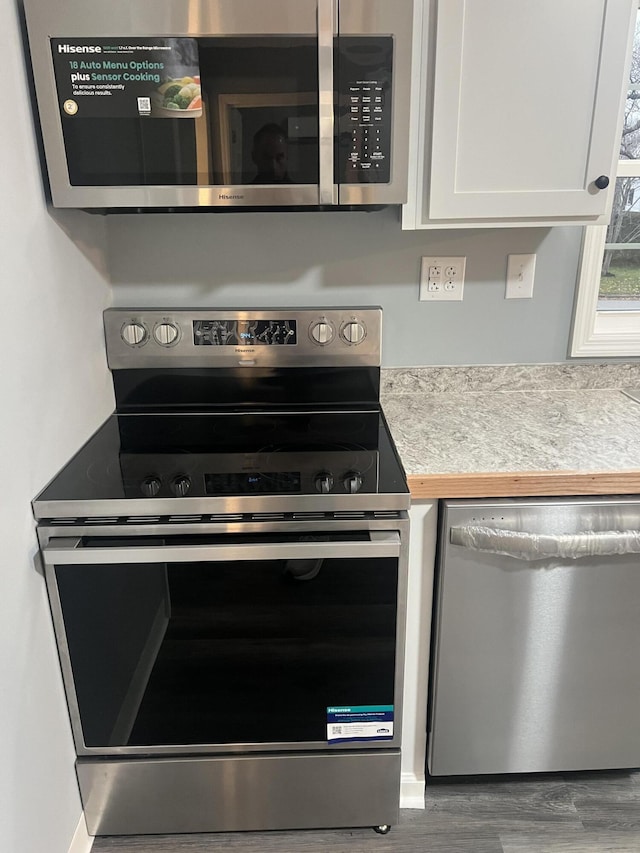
(524, 483)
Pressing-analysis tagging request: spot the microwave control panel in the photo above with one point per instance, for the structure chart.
(364, 110)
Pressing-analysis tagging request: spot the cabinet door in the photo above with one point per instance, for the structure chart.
(526, 108)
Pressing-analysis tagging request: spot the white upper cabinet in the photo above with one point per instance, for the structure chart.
(516, 110)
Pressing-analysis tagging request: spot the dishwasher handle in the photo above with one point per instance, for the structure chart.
(541, 546)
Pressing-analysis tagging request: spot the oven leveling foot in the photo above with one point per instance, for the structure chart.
(382, 829)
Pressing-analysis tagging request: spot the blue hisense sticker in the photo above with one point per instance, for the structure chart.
(347, 723)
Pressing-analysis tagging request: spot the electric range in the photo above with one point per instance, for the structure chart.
(226, 563)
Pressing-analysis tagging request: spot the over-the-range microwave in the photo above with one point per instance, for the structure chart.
(220, 104)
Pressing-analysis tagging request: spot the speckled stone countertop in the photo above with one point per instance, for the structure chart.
(516, 430)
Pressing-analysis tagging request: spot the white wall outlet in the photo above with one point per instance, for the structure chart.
(442, 279)
(520, 273)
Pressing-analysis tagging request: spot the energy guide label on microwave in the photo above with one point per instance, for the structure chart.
(127, 78)
(346, 723)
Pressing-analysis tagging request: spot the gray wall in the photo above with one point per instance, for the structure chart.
(55, 390)
(339, 258)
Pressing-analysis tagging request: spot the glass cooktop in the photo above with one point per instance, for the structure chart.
(177, 456)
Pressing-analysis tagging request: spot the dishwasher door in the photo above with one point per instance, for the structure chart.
(536, 661)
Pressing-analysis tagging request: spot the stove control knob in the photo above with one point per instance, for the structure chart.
(166, 334)
(353, 332)
(150, 486)
(134, 334)
(324, 482)
(322, 332)
(352, 482)
(180, 485)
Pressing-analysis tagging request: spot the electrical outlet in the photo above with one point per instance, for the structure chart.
(520, 272)
(442, 279)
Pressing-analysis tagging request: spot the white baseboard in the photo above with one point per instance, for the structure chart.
(411, 791)
(81, 842)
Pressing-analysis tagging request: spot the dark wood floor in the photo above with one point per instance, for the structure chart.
(575, 813)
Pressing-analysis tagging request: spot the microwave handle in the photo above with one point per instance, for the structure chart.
(69, 551)
(326, 29)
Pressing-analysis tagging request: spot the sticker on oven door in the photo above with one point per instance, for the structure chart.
(347, 723)
(125, 77)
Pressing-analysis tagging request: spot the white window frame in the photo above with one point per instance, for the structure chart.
(602, 333)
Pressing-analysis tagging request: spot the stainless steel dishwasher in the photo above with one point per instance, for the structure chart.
(536, 661)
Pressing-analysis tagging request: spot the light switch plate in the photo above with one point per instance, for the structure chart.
(520, 273)
(442, 279)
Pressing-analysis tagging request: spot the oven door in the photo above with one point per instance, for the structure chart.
(228, 643)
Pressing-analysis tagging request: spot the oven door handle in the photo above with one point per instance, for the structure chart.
(69, 551)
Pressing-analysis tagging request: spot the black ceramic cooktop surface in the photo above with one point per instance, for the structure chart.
(135, 456)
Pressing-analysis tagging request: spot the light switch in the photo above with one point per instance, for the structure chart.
(520, 273)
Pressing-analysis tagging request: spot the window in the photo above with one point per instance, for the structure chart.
(607, 321)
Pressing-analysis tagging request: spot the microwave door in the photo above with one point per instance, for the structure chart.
(232, 120)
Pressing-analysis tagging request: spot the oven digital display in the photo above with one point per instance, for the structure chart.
(250, 482)
(220, 333)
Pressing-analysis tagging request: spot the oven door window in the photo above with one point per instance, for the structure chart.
(229, 111)
(226, 652)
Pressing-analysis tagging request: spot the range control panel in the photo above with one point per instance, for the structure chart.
(151, 337)
(364, 121)
(166, 475)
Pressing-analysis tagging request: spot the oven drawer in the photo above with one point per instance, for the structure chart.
(176, 795)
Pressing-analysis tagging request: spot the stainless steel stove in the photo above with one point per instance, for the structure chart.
(226, 564)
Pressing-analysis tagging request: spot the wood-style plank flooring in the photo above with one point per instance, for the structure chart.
(572, 813)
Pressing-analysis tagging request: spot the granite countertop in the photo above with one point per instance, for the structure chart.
(516, 430)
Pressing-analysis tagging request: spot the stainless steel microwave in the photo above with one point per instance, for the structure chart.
(195, 104)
